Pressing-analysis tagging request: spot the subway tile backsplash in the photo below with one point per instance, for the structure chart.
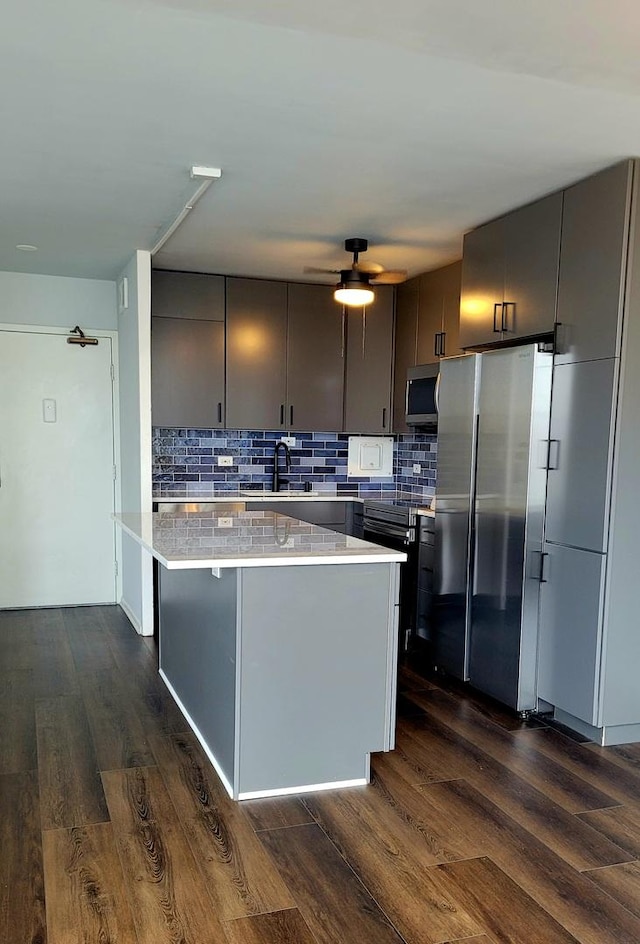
(190, 456)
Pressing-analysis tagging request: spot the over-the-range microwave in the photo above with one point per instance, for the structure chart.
(421, 404)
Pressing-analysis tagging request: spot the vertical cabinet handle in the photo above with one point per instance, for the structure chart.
(219, 412)
(384, 417)
(436, 345)
(543, 557)
(282, 414)
(497, 328)
(443, 337)
(291, 415)
(505, 316)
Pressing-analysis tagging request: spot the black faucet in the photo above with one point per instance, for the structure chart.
(276, 481)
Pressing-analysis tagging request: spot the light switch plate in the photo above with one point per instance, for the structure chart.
(289, 441)
(225, 460)
(417, 468)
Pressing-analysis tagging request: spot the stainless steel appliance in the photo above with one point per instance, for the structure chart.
(492, 449)
(393, 524)
(421, 404)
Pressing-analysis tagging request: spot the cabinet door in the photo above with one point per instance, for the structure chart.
(187, 295)
(570, 630)
(439, 314)
(482, 285)
(579, 454)
(532, 248)
(187, 373)
(592, 262)
(367, 395)
(430, 316)
(315, 359)
(450, 345)
(405, 348)
(256, 354)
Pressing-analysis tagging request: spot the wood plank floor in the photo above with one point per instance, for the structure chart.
(114, 828)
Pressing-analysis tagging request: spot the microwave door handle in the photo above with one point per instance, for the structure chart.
(406, 399)
(436, 395)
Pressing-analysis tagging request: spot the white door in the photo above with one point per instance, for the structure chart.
(57, 542)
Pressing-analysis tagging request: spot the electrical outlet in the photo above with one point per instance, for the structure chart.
(225, 522)
(225, 460)
(417, 468)
(289, 441)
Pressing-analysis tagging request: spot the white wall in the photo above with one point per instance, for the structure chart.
(57, 301)
(134, 344)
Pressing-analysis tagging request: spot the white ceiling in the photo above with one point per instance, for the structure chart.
(406, 122)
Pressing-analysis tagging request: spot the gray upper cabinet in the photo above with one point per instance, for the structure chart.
(482, 290)
(187, 295)
(256, 354)
(315, 359)
(439, 314)
(367, 399)
(593, 255)
(510, 275)
(187, 372)
(187, 349)
(405, 348)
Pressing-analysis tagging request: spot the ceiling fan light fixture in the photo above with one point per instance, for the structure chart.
(353, 289)
(355, 297)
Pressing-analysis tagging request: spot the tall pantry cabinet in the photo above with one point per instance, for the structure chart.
(589, 640)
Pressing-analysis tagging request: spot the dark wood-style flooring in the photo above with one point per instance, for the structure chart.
(114, 827)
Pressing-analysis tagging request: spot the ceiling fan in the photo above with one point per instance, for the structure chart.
(354, 287)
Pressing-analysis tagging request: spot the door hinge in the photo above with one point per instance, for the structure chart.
(113, 372)
(116, 568)
(115, 473)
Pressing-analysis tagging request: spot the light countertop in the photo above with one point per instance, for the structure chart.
(198, 494)
(229, 537)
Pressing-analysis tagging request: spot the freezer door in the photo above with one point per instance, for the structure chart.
(513, 429)
(457, 411)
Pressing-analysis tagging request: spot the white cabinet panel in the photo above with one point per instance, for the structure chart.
(570, 631)
(581, 431)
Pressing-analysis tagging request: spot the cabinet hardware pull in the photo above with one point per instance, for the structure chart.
(436, 344)
(384, 417)
(219, 412)
(443, 338)
(553, 456)
(496, 306)
(543, 556)
(291, 414)
(505, 316)
(282, 414)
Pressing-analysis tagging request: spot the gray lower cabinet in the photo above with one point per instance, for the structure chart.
(571, 630)
(367, 394)
(581, 437)
(510, 275)
(187, 372)
(593, 258)
(315, 359)
(342, 516)
(256, 354)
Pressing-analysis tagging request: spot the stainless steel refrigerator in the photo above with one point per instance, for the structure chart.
(493, 431)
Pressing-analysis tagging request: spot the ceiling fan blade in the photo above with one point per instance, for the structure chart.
(390, 277)
(314, 270)
(369, 268)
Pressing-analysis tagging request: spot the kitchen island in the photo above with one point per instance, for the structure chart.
(278, 641)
